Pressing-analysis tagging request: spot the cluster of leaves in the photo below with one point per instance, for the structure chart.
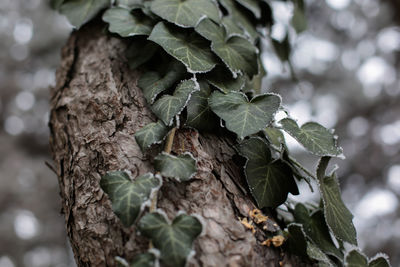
(201, 69)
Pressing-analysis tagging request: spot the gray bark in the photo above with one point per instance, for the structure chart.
(96, 107)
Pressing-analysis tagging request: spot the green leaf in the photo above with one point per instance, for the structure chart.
(380, 260)
(153, 83)
(221, 78)
(152, 133)
(139, 52)
(316, 229)
(168, 106)
(128, 197)
(199, 114)
(144, 260)
(297, 241)
(314, 137)
(79, 12)
(299, 20)
(251, 5)
(337, 216)
(240, 19)
(185, 13)
(173, 240)
(231, 28)
(275, 137)
(356, 259)
(125, 23)
(181, 167)
(269, 181)
(56, 4)
(282, 48)
(185, 46)
(130, 3)
(238, 54)
(241, 116)
(315, 253)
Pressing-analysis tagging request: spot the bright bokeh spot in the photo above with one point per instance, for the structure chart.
(338, 4)
(377, 202)
(26, 226)
(393, 178)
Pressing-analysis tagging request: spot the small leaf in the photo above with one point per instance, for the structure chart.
(380, 260)
(356, 259)
(269, 181)
(128, 197)
(79, 12)
(185, 13)
(275, 136)
(185, 46)
(313, 136)
(181, 167)
(297, 241)
(168, 106)
(337, 216)
(139, 52)
(173, 240)
(282, 48)
(239, 55)
(199, 114)
(152, 133)
(251, 5)
(240, 19)
(221, 78)
(241, 116)
(299, 20)
(315, 253)
(144, 260)
(125, 23)
(153, 83)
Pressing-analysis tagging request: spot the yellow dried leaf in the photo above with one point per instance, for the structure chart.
(257, 216)
(248, 224)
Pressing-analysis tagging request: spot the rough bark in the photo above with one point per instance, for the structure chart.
(96, 109)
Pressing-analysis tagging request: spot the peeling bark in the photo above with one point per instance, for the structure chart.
(96, 108)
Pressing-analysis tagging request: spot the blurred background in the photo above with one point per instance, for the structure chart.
(347, 63)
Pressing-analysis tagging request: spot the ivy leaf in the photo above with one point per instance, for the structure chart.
(269, 181)
(251, 5)
(315, 253)
(153, 83)
(125, 23)
(168, 106)
(173, 240)
(79, 12)
(380, 260)
(152, 133)
(181, 167)
(313, 136)
(282, 48)
(199, 114)
(128, 197)
(355, 259)
(231, 28)
(240, 19)
(275, 137)
(185, 13)
(316, 229)
(299, 20)
(222, 79)
(337, 216)
(241, 116)
(139, 52)
(297, 242)
(238, 54)
(144, 260)
(130, 3)
(187, 47)
(56, 4)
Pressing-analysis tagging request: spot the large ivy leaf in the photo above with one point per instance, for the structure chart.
(187, 47)
(239, 55)
(173, 240)
(168, 106)
(240, 19)
(144, 260)
(241, 116)
(316, 229)
(181, 167)
(269, 181)
(356, 258)
(153, 83)
(152, 133)
(252, 5)
(313, 136)
(199, 114)
(128, 197)
(185, 13)
(79, 12)
(125, 23)
(221, 78)
(337, 216)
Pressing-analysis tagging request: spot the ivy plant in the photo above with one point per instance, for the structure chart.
(201, 68)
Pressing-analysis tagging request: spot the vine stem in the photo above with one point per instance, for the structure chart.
(295, 162)
(167, 149)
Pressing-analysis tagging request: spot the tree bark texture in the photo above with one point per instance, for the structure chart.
(96, 108)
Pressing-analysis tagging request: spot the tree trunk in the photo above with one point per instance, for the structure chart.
(96, 107)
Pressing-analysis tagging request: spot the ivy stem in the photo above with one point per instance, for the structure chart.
(295, 162)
